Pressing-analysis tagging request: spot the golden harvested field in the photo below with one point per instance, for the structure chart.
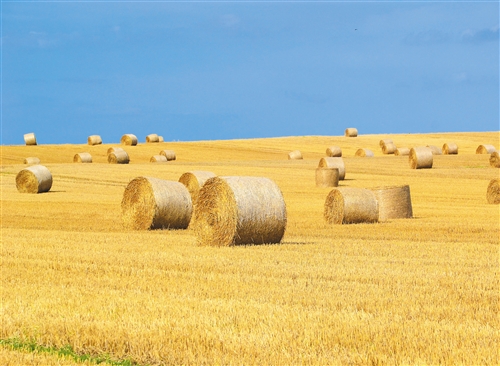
(409, 291)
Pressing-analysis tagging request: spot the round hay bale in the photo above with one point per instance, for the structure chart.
(338, 163)
(485, 149)
(420, 158)
(334, 152)
(30, 139)
(347, 205)
(34, 179)
(364, 153)
(114, 149)
(402, 151)
(384, 142)
(493, 192)
(194, 180)
(152, 138)
(32, 160)
(158, 159)
(351, 132)
(435, 150)
(84, 157)
(389, 148)
(295, 155)
(118, 157)
(129, 139)
(169, 154)
(94, 140)
(327, 177)
(151, 203)
(450, 149)
(160, 138)
(239, 210)
(495, 160)
(393, 202)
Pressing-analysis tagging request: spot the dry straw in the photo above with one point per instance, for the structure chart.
(151, 203)
(327, 177)
(158, 159)
(334, 152)
(169, 154)
(34, 179)
(389, 148)
(364, 153)
(32, 160)
(160, 139)
(294, 155)
(129, 139)
(338, 163)
(239, 210)
(450, 149)
(493, 192)
(351, 132)
(420, 158)
(435, 150)
(118, 157)
(84, 157)
(402, 151)
(94, 140)
(114, 149)
(30, 139)
(152, 138)
(495, 160)
(384, 142)
(347, 205)
(194, 180)
(393, 202)
(485, 149)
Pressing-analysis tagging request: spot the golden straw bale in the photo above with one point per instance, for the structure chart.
(34, 179)
(152, 138)
(83, 157)
(151, 203)
(158, 159)
(384, 142)
(389, 148)
(347, 205)
(239, 210)
(94, 140)
(295, 155)
(30, 139)
(450, 149)
(118, 157)
(194, 180)
(334, 152)
(495, 160)
(420, 158)
(327, 177)
(351, 132)
(485, 149)
(364, 153)
(393, 202)
(493, 192)
(32, 160)
(402, 151)
(114, 149)
(129, 139)
(169, 154)
(160, 138)
(435, 150)
(329, 162)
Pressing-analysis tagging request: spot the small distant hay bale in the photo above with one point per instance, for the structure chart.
(485, 149)
(239, 210)
(34, 179)
(152, 138)
(295, 155)
(338, 163)
(94, 140)
(393, 202)
(420, 158)
(160, 139)
(32, 160)
(158, 159)
(402, 151)
(495, 160)
(194, 180)
(347, 205)
(118, 157)
(114, 149)
(435, 150)
(351, 132)
(334, 152)
(84, 157)
(389, 148)
(151, 203)
(129, 139)
(493, 192)
(30, 139)
(169, 154)
(384, 142)
(327, 177)
(364, 153)
(450, 149)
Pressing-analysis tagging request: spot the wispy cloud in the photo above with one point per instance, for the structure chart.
(480, 36)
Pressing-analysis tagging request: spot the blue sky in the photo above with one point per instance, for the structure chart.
(224, 70)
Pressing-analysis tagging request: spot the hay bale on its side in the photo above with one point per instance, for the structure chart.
(169, 154)
(338, 163)
(334, 152)
(435, 150)
(84, 157)
(393, 202)
(129, 139)
(347, 205)
(450, 149)
(160, 138)
(295, 155)
(32, 160)
(30, 139)
(389, 148)
(351, 132)
(94, 140)
(495, 160)
(151, 203)
(114, 149)
(493, 192)
(485, 149)
(384, 142)
(327, 177)
(158, 159)
(420, 158)
(402, 151)
(239, 210)
(152, 138)
(364, 153)
(118, 157)
(194, 180)
(34, 179)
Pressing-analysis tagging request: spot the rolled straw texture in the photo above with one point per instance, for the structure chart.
(351, 132)
(393, 202)
(338, 163)
(347, 205)
(194, 180)
(327, 177)
(493, 192)
(114, 149)
(118, 157)
(435, 150)
(450, 149)
(32, 160)
(384, 142)
(420, 158)
(84, 157)
(402, 151)
(485, 149)
(129, 139)
(169, 154)
(334, 152)
(160, 138)
(239, 210)
(94, 140)
(364, 153)
(389, 148)
(151, 203)
(30, 139)
(152, 138)
(295, 155)
(495, 160)
(158, 159)
(34, 179)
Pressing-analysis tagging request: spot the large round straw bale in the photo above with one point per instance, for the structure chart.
(420, 158)
(152, 138)
(151, 203)
(84, 157)
(194, 180)
(393, 202)
(129, 139)
(114, 149)
(338, 163)
(347, 205)
(450, 149)
(169, 154)
(160, 139)
(351, 132)
(30, 139)
(94, 140)
(239, 210)
(389, 148)
(158, 159)
(118, 157)
(384, 142)
(435, 150)
(334, 152)
(485, 149)
(327, 177)
(495, 160)
(34, 179)
(493, 192)
(402, 151)
(295, 155)
(32, 160)
(364, 153)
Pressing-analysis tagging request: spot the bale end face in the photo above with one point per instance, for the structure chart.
(493, 192)
(129, 139)
(420, 158)
(34, 179)
(351, 132)
(348, 205)
(495, 160)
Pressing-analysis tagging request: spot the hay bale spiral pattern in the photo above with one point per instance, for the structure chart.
(34, 179)
(84, 157)
(495, 160)
(420, 158)
(347, 205)
(485, 149)
(450, 149)
(129, 139)
(334, 152)
(118, 157)
(493, 192)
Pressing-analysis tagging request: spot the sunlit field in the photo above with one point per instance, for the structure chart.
(413, 291)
